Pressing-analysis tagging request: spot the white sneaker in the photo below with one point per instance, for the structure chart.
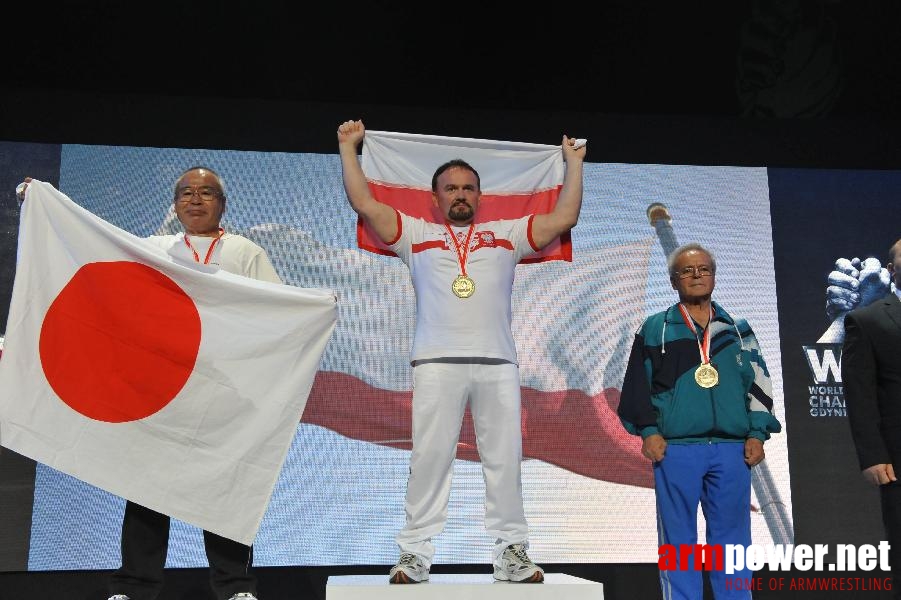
(119, 597)
(409, 569)
(243, 596)
(515, 565)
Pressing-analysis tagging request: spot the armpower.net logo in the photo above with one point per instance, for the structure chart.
(744, 561)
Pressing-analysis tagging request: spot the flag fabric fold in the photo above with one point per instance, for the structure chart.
(517, 179)
(573, 325)
(174, 387)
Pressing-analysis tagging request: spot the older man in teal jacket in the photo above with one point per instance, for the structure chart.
(698, 392)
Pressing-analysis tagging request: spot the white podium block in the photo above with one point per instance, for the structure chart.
(556, 586)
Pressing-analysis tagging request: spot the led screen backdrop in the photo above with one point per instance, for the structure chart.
(340, 496)
(820, 216)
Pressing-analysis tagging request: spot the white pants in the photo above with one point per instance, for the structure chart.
(440, 394)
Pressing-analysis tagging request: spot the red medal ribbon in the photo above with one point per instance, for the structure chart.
(462, 249)
(209, 253)
(703, 346)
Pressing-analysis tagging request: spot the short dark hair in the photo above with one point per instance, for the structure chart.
(207, 169)
(893, 251)
(457, 162)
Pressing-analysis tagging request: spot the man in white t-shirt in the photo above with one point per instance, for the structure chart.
(199, 204)
(199, 201)
(463, 350)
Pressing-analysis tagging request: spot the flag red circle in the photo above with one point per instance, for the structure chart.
(119, 341)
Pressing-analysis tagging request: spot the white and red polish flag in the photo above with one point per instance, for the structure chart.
(176, 387)
(573, 324)
(517, 179)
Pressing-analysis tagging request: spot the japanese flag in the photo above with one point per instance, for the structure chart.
(176, 387)
(517, 179)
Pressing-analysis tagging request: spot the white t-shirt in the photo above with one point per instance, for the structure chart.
(233, 253)
(478, 326)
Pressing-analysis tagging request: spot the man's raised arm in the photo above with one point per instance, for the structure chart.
(380, 217)
(546, 228)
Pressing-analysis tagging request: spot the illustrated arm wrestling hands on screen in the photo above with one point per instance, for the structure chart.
(854, 283)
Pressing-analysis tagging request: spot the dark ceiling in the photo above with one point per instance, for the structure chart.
(784, 59)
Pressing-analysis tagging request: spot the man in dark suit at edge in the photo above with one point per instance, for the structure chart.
(871, 374)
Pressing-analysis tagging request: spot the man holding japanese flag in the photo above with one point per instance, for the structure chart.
(462, 268)
(171, 371)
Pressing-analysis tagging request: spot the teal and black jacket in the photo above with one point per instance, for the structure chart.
(660, 394)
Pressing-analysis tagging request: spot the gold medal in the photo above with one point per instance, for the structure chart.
(707, 376)
(463, 286)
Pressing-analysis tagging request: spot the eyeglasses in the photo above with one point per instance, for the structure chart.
(699, 271)
(207, 194)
